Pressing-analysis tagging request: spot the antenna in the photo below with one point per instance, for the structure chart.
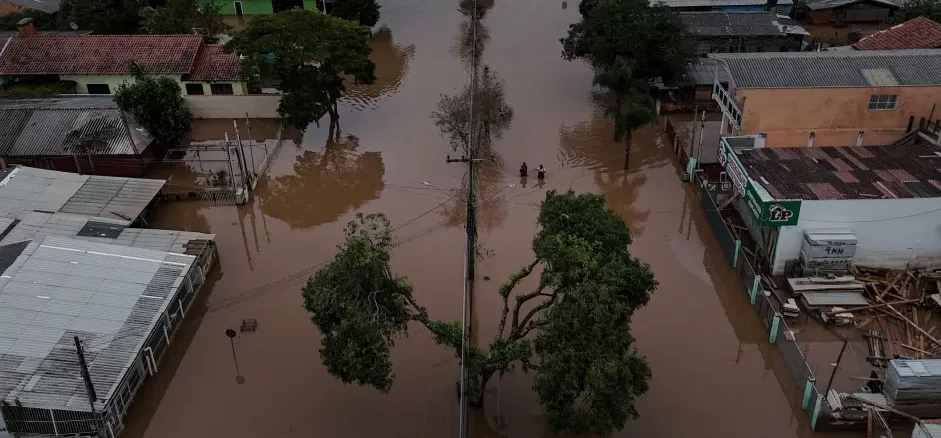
(73, 25)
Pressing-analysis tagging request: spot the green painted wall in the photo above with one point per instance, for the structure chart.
(255, 7)
(114, 81)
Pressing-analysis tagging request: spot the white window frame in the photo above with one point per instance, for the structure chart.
(883, 102)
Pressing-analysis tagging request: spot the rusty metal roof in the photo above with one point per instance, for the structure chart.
(846, 172)
(68, 126)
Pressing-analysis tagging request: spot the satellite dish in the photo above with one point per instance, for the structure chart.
(73, 25)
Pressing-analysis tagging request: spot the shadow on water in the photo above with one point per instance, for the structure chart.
(325, 184)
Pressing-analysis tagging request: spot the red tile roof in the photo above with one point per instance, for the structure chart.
(212, 64)
(99, 54)
(917, 33)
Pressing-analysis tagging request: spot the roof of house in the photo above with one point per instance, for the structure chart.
(716, 3)
(846, 172)
(99, 54)
(61, 287)
(212, 64)
(4, 34)
(917, 33)
(48, 6)
(831, 4)
(69, 266)
(26, 189)
(834, 69)
(732, 24)
(706, 71)
(68, 126)
(8, 7)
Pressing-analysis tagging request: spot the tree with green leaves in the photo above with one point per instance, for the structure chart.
(475, 116)
(631, 44)
(652, 37)
(930, 9)
(156, 102)
(574, 333)
(102, 16)
(631, 107)
(310, 54)
(185, 16)
(365, 12)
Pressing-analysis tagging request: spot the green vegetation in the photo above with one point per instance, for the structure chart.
(310, 54)
(575, 334)
(631, 44)
(184, 16)
(156, 102)
(365, 12)
(918, 8)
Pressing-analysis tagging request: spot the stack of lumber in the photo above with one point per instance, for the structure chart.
(914, 387)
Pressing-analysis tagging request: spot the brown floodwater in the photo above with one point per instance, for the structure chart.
(713, 372)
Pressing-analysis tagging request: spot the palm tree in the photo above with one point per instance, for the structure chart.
(632, 106)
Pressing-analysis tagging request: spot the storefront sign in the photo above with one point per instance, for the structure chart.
(772, 213)
(733, 168)
(769, 213)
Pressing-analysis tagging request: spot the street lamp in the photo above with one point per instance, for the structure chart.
(439, 189)
(495, 193)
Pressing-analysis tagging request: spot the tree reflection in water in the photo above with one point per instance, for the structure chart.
(589, 145)
(325, 184)
(392, 64)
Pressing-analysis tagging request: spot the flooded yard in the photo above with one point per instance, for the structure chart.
(714, 374)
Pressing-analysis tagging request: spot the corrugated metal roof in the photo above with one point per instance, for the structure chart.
(731, 24)
(61, 287)
(706, 71)
(69, 126)
(846, 172)
(716, 3)
(29, 189)
(832, 69)
(831, 4)
(927, 430)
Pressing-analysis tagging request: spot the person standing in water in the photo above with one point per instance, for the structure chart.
(524, 170)
(541, 172)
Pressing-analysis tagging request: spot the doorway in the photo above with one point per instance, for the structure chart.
(238, 9)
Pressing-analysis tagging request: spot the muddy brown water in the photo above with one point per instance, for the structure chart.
(713, 372)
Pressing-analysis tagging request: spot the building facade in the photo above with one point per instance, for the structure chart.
(99, 64)
(887, 196)
(782, 7)
(261, 7)
(850, 11)
(731, 32)
(834, 98)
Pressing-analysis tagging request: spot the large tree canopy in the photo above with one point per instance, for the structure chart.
(652, 37)
(476, 116)
(102, 16)
(575, 333)
(156, 102)
(185, 16)
(918, 8)
(365, 12)
(309, 53)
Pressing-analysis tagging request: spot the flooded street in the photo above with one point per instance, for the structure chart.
(713, 372)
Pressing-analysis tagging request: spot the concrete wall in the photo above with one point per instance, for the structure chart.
(233, 107)
(114, 81)
(834, 115)
(891, 232)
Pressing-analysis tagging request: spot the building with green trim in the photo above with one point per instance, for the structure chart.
(260, 7)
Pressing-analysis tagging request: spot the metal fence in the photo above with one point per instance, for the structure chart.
(729, 244)
(813, 401)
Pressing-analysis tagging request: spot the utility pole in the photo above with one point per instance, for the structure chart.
(89, 387)
(246, 175)
(228, 154)
(248, 128)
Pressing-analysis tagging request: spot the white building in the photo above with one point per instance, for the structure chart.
(888, 196)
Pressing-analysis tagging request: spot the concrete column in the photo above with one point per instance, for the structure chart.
(808, 391)
(773, 337)
(756, 285)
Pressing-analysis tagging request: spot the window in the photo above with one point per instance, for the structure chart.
(883, 101)
(194, 89)
(99, 89)
(221, 88)
(810, 140)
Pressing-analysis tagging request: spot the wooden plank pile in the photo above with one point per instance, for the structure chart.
(898, 308)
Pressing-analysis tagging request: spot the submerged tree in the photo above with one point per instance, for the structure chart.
(479, 124)
(156, 102)
(632, 106)
(310, 54)
(575, 334)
